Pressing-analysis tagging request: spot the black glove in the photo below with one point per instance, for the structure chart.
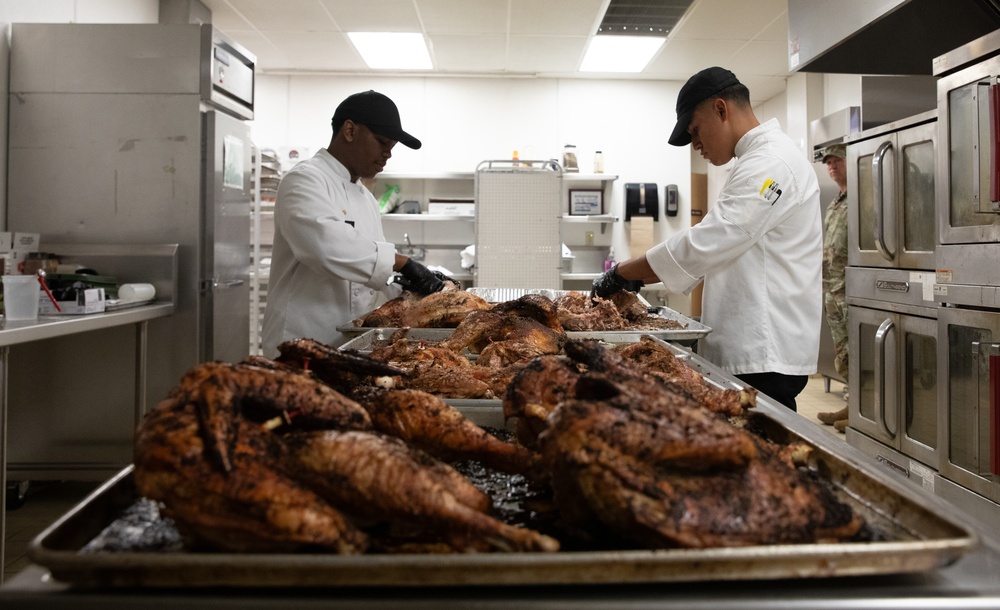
(610, 282)
(418, 278)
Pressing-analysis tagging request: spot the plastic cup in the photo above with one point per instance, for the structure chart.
(20, 297)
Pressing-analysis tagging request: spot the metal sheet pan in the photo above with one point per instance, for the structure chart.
(692, 331)
(919, 535)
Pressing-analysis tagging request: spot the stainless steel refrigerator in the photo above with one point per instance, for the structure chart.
(139, 134)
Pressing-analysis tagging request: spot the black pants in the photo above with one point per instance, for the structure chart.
(783, 388)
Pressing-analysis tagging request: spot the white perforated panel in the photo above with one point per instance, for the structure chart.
(518, 230)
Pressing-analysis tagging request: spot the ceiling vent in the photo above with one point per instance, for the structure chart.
(643, 17)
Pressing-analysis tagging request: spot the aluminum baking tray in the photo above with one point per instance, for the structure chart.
(917, 534)
(692, 331)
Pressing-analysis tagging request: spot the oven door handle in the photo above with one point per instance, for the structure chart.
(878, 177)
(880, 398)
(994, 409)
(994, 104)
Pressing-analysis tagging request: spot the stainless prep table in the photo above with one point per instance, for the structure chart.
(971, 582)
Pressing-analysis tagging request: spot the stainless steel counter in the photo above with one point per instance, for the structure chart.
(970, 582)
(48, 327)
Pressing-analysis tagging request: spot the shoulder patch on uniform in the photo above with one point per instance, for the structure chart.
(770, 191)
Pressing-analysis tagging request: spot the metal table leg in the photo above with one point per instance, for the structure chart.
(4, 359)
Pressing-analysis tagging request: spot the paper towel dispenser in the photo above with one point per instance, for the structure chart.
(642, 199)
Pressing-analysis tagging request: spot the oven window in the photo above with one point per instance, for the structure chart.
(918, 197)
(866, 369)
(968, 125)
(866, 204)
(968, 399)
(921, 389)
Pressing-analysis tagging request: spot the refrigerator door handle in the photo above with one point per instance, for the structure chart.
(880, 398)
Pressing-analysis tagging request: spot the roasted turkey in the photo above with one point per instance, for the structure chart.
(263, 458)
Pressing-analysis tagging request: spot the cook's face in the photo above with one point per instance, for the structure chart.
(707, 136)
(372, 151)
(837, 168)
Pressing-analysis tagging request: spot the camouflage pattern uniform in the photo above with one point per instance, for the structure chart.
(834, 290)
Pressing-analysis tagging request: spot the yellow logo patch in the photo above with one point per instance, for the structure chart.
(770, 191)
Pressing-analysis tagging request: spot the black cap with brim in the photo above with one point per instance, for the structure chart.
(376, 112)
(696, 90)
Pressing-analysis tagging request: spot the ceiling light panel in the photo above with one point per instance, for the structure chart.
(392, 50)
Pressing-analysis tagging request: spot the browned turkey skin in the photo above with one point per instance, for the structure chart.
(444, 309)
(430, 424)
(657, 482)
(236, 477)
(381, 479)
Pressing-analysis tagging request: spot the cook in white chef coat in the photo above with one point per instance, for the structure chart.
(759, 249)
(330, 262)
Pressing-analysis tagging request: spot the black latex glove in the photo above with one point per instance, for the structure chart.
(418, 278)
(610, 282)
(407, 285)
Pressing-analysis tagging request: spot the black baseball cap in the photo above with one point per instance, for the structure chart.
(376, 112)
(696, 90)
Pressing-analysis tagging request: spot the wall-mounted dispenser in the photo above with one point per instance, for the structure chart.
(642, 199)
(672, 197)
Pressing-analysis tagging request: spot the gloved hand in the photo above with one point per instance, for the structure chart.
(418, 278)
(610, 282)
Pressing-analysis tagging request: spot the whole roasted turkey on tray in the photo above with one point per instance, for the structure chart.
(267, 456)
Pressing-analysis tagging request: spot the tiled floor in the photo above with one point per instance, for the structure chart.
(814, 399)
(48, 500)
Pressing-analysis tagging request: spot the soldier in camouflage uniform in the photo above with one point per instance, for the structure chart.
(834, 263)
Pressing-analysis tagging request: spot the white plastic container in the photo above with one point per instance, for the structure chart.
(20, 297)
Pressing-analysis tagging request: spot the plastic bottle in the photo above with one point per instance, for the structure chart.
(598, 162)
(610, 261)
(515, 158)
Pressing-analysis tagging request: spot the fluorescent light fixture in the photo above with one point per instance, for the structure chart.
(392, 50)
(620, 53)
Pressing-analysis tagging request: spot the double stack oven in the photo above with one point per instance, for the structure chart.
(968, 270)
(892, 313)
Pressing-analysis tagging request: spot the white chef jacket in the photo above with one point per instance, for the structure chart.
(330, 262)
(760, 252)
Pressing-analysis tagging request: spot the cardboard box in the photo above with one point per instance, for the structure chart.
(90, 300)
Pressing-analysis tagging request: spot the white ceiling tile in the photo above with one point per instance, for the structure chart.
(373, 15)
(690, 56)
(287, 15)
(555, 17)
(540, 54)
(761, 58)
(729, 20)
(470, 17)
(460, 54)
(329, 51)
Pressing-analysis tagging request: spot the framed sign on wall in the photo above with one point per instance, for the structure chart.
(586, 202)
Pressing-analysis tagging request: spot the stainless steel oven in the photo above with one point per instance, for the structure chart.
(970, 369)
(890, 182)
(893, 371)
(968, 268)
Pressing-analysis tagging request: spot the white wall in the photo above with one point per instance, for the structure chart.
(463, 121)
(56, 11)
